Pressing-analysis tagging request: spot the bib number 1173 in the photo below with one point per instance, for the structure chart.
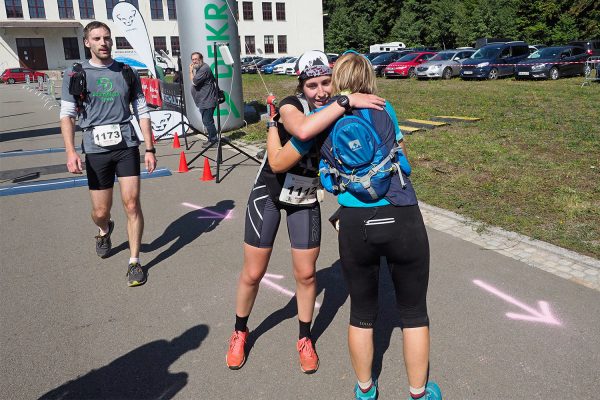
(107, 135)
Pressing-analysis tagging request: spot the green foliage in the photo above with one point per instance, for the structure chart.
(451, 23)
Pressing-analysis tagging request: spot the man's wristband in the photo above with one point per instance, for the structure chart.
(271, 124)
(152, 150)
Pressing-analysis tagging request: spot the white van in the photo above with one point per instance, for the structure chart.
(391, 46)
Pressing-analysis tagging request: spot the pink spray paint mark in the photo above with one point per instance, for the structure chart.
(543, 315)
(279, 288)
(210, 213)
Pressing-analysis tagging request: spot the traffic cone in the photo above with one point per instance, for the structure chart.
(182, 163)
(176, 143)
(207, 175)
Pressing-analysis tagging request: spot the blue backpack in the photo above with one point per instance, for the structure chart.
(355, 159)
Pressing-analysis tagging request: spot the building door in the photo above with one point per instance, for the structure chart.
(32, 53)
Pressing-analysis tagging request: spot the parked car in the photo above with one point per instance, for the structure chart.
(249, 59)
(494, 60)
(406, 66)
(591, 46)
(244, 64)
(553, 63)
(384, 59)
(371, 56)
(13, 75)
(332, 58)
(268, 68)
(253, 68)
(281, 69)
(444, 64)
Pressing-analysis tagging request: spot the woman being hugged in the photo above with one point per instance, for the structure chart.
(372, 225)
(292, 189)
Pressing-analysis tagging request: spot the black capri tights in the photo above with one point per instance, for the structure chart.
(397, 233)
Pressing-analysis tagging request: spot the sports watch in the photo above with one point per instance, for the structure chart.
(152, 150)
(271, 124)
(344, 101)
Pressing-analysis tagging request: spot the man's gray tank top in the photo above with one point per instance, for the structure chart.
(107, 103)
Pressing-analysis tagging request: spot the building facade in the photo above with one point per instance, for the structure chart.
(47, 34)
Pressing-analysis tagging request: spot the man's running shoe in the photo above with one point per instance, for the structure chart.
(432, 392)
(372, 394)
(309, 360)
(136, 275)
(103, 243)
(236, 355)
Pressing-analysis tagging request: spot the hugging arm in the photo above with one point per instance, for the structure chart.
(306, 127)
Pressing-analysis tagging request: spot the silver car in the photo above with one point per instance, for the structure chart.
(444, 64)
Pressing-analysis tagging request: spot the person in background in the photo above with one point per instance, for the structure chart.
(204, 92)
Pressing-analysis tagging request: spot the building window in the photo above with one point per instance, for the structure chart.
(247, 10)
(160, 43)
(110, 4)
(280, 11)
(156, 10)
(269, 44)
(175, 50)
(65, 9)
(250, 45)
(86, 9)
(14, 8)
(267, 12)
(71, 46)
(122, 43)
(282, 44)
(171, 8)
(36, 9)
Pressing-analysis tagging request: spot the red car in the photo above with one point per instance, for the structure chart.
(12, 75)
(406, 66)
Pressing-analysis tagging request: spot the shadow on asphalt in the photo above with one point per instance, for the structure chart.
(142, 373)
(331, 283)
(183, 231)
(28, 134)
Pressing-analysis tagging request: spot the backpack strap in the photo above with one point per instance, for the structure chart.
(129, 77)
(78, 87)
(304, 103)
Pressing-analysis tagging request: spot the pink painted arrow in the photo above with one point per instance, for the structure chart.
(543, 315)
(280, 289)
(209, 214)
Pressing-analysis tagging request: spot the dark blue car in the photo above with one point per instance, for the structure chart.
(494, 61)
(553, 63)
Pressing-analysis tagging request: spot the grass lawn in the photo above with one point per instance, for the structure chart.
(531, 165)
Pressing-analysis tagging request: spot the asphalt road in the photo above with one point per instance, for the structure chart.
(71, 329)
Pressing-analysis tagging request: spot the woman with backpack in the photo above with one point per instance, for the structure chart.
(275, 190)
(386, 224)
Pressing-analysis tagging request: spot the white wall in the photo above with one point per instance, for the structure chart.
(303, 26)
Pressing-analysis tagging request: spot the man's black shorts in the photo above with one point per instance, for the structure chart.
(102, 167)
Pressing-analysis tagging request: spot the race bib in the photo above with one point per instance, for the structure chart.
(107, 135)
(299, 190)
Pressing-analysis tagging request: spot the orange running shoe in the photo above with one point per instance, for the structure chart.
(236, 355)
(309, 360)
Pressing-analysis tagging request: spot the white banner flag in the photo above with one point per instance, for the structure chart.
(131, 23)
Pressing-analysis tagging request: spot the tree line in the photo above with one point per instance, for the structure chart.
(357, 24)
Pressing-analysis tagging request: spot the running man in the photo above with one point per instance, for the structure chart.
(99, 92)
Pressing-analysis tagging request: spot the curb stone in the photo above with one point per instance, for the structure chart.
(561, 262)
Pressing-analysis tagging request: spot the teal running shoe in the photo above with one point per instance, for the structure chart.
(372, 394)
(432, 392)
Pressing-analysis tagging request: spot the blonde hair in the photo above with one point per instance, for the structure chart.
(353, 72)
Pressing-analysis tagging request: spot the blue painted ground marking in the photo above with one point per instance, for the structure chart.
(19, 153)
(65, 183)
